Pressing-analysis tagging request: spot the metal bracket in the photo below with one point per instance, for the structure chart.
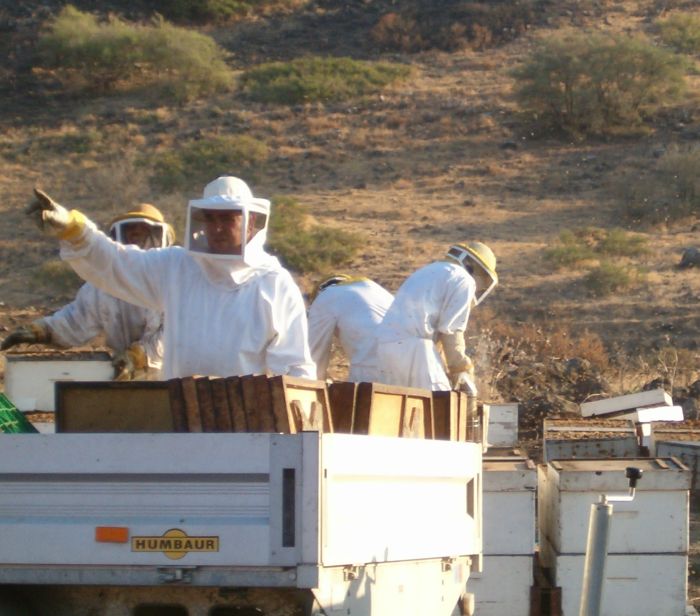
(446, 564)
(350, 572)
(175, 575)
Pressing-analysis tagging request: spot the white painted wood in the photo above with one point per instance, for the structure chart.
(503, 588)
(635, 584)
(655, 521)
(628, 402)
(594, 440)
(29, 381)
(503, 424)
(655, 413)
(509, 491)
(686, 451)
(608, 475)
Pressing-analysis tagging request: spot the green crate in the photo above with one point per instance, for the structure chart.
(12, 420)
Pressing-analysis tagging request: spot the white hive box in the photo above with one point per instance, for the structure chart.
(662, 431)
(627, 403)
(509, 492)
(589, 438)
(503, 587)
(503, 424)
(30, 377)
(635, 584)
(687, 452)
(656, 521)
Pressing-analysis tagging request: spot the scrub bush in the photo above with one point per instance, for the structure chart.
(318, 79)
(669, 193)
(610, 278)
(305, 247)
(588, 244)
(681, 31)
(101, 57)
(198, 162)
(584, 83)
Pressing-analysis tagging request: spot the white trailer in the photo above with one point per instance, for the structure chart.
(236, 524)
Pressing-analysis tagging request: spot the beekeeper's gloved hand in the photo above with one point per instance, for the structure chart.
(464, 381)
(127, 362)
(33, 333)
(53, 219)
(459, 365)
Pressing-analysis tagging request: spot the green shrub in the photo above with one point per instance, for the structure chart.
(570, 250)
(586, 83)
(609, 278)
(668, 193)
(306, 247)
(318, 79)
(195, 163)
(620, 243)
(102, 57)
(587, 244)
(682, 32)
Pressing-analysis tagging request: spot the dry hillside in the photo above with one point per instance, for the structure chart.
(444, 156)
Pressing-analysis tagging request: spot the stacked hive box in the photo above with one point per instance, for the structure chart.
(648, 546)
(589, 438)
(503, 586)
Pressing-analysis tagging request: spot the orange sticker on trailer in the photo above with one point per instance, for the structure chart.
(175, 543)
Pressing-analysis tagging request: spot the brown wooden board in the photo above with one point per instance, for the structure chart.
(462, 416)
(250, 404)
(266, 420)
(445, 411)
(206, 403)
(307, 393)
(383, 410)
(222, 412)
(234, 393)
(189, 395)
(424, 405)
(177, 406)
(111, 406)
(341, 396)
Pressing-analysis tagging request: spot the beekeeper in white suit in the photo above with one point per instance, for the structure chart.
(132, 332)
(229, 307)
(350, 308)
(432, 307)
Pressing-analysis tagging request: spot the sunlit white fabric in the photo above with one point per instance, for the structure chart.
(435, 299)
(351, 311)
(258, 326)
(93, 312)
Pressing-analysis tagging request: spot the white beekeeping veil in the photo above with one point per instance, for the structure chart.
(228, 223)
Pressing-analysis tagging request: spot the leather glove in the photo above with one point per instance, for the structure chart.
(33, 333)
(464, 381)
(53, 219)
(459, 365)
(128, 361)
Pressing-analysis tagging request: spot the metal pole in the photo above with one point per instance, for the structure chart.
(596, 553)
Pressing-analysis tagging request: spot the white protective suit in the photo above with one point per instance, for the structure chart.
(93, 312)
(352, 310)
(435, 299)
(252, 322)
